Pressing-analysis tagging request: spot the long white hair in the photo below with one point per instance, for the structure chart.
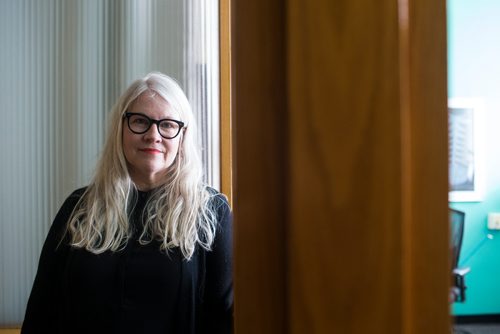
(178, 213)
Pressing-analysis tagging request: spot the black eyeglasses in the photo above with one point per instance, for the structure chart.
(140, 123)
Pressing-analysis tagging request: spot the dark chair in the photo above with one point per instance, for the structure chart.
(457, 292)
(457, 220)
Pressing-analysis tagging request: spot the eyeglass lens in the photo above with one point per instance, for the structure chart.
(141, 124)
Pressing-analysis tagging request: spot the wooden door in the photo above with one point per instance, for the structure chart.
(340, 132)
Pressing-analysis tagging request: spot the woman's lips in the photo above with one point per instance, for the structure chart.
(150, 150)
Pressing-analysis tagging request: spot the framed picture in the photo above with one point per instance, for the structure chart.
(465, 128)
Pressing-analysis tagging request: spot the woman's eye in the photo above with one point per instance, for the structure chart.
(140, 121)
(167, 125)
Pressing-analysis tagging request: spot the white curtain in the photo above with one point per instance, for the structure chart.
(63, 63)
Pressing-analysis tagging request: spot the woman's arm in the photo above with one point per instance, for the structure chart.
(45, 301)
(218, 293)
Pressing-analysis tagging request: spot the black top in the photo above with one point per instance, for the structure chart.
(140, 289)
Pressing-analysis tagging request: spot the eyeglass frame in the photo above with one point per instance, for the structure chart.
(152, 121)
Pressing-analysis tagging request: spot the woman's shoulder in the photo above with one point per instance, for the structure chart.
(219, 204)
(71, 201)
(75, 196)
(217, 199)
(60, 221)
(78, 192)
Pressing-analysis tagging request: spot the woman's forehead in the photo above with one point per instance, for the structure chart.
(152, 104)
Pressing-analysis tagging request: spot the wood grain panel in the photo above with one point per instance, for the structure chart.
(425, 189)
(10, 330)
(341, 199)
(259, 102)
(345, 239)
(369, 167)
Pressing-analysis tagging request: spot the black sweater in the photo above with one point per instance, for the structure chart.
(139, 289)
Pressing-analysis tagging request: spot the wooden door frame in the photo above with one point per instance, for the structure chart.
(226, 149)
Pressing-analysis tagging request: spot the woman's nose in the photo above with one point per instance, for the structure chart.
(153, 133)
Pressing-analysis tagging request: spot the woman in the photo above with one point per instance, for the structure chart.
(146, 247)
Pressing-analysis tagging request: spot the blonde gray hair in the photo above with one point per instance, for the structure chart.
(178, 213)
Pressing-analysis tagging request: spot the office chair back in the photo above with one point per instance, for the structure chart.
(457, 220)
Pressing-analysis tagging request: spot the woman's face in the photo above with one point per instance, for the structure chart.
(149, 155)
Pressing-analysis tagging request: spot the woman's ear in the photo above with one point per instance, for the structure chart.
(182, 137)
(181, 141)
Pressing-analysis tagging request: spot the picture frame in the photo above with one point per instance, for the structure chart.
(466, 145)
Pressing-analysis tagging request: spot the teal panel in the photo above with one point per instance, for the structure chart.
(474, 72)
